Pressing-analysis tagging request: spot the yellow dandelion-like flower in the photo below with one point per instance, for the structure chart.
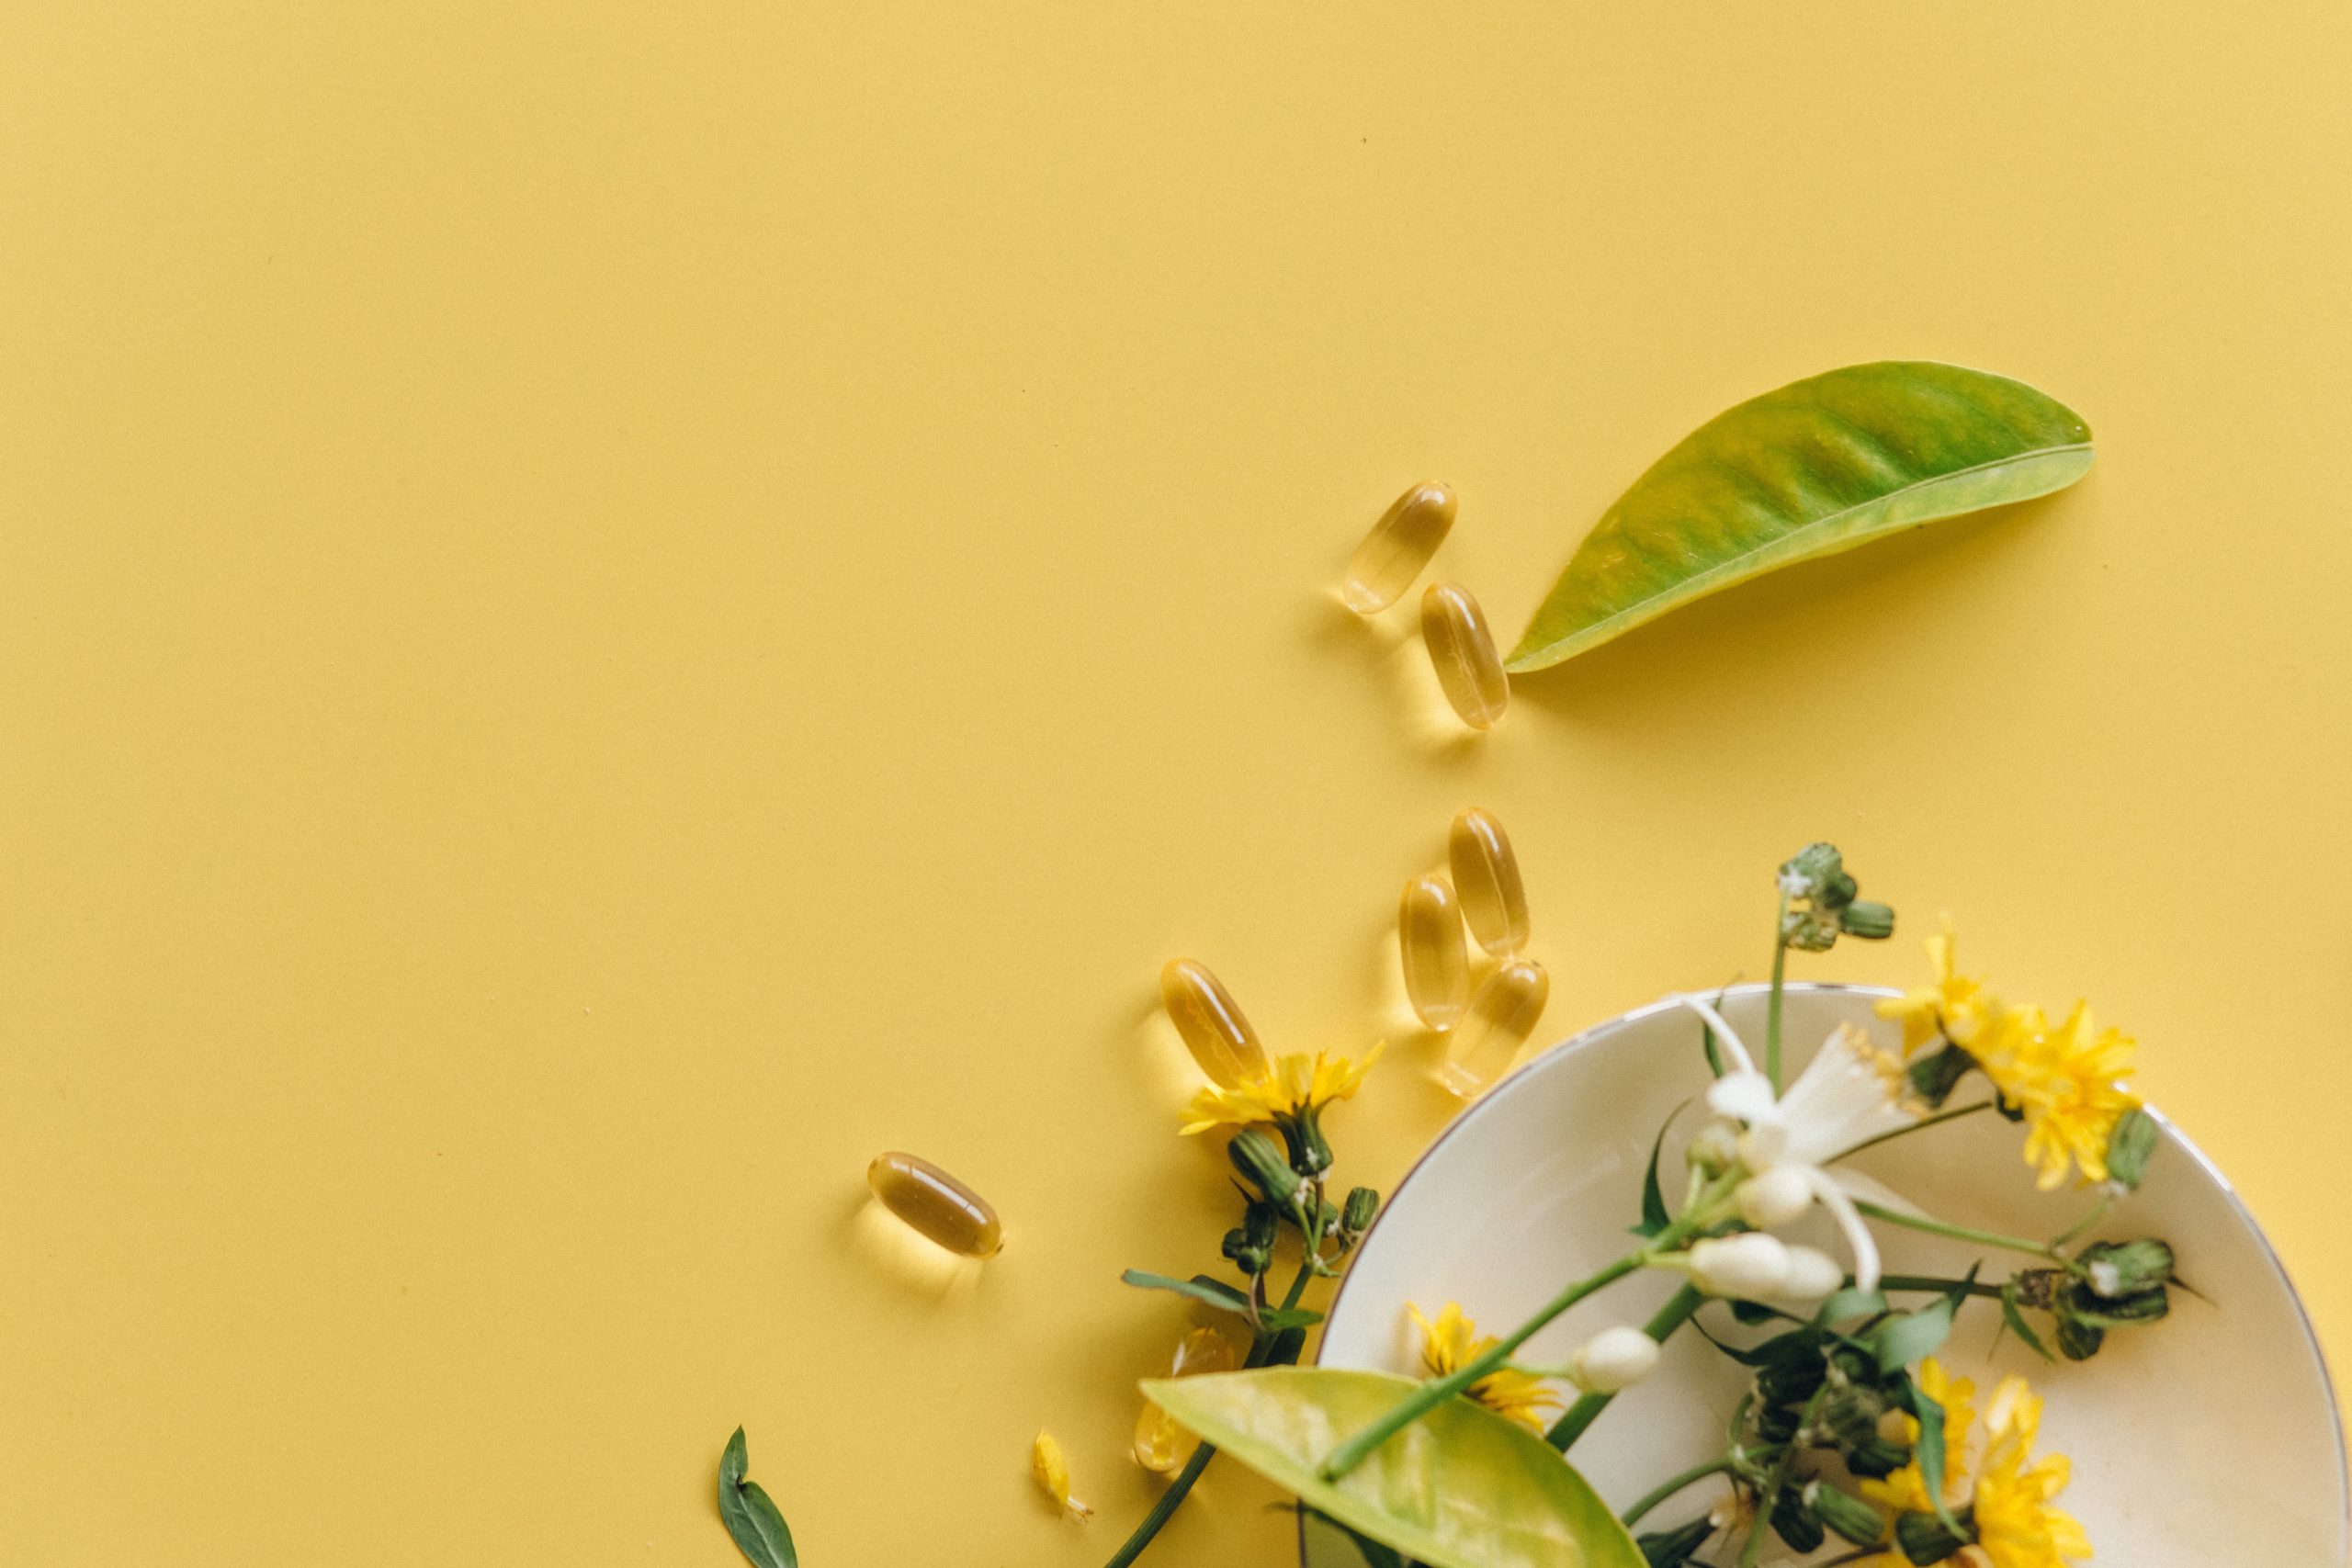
(2067, 1080)
(1452, 1342)
(2017, 1524)
(1298, 1085)
(1956, 1006)
(1052, 1471)
(2009, 1504)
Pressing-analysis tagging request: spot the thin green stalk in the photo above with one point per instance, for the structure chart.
(1260, 1346)
(1669, 1486)
(1429, 1395)
(1921, 1126)
(1679, 1309)
(1772, 1008)
(2098, 1212)
(1956, 1233)
(1938, 1285)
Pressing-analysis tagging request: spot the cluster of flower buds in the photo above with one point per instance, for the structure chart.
(2107, 1285)
(1823, 903)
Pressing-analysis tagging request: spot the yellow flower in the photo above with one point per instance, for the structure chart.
(2067, 1080)
(2009, 1505)
(1299, 1086)
(1052, 1471)
(1452, 1342)
(1955, 1007)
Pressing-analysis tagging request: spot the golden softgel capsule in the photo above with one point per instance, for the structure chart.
(1502, 1014)
(1219, 1038)
(936, 1205)
(1486, 875)
(1398, 546)
(1437, 961)
(1454, 630)
(1162, 1446)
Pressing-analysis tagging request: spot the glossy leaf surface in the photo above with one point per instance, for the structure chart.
(1461, 1488)
(1816, 467)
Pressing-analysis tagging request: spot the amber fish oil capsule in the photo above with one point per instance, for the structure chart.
(1463, 651)
(1161, 1446)
(936, 1205)
(1437, 961)
(1486, 875)
(1213, 1027)
(1502, 1014)
(1398, 546)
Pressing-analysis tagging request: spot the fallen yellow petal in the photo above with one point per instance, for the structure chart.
(1053, 1473)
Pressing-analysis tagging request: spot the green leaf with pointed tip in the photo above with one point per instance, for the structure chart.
(1819, 467)
(1460, 1488)
(749, 1515)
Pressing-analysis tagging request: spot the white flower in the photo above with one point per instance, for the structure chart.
(1750, 1265)
(1849, 1093)
(1814, 1277)
(1614, 1359)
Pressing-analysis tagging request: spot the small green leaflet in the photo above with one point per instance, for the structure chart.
(1901, 1341)
(1929, 1449)
(1654, 1215)
(1223, 1297)
(750, 1514)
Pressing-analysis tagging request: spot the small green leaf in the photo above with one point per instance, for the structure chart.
(1908, 1336)
(2015, 1319)
(1929, 1449)
(749, 1515)
(1654, 1215)
(1816, 467)
(1460, 1488)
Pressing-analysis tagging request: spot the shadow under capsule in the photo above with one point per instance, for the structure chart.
(911, 1260)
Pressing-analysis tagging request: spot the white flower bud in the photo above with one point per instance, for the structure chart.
(1773, 1199)
(1715, 1148)
(1813, 1276)
(1750, 1265)
(1613, 1359)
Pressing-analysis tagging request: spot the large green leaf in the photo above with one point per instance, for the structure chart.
(1819, 467)
(1461, 1488)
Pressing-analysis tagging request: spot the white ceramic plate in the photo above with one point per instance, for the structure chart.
(2209, 1439)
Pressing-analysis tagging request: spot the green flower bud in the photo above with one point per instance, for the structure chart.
(1809, 932)
(1796, 1523)
(1675, 1548)
(1362, 1205)
(1251, 1260)
(1851, 1415)
(1261, 1223)
(1848, 1515)
(2077, 1340)
(1872, 922)
(1805, 873)
(1261, 1163)
(1878, 1459)
(2114, 1269)
(1310, 1156)
(1836, 890)
(1925, 1538)
(2130, 1147)
(1936, 1074)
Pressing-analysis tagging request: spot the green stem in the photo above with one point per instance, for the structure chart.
(2098, 1212)
(1923, 1123)
(1669, 1486)
(1429, 1395)
(1679, 1309)
(1940, 1286)
(1260, 1346)
(1772, 1008)
(1956, 1233)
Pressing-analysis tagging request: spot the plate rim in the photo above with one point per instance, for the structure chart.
(1588, 1035)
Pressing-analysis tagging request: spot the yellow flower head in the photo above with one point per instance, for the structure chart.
(2067, 1080)
(1052, 1471)
(1956, 1006)
(1298, 1086)
(1452, 1342)
(2010, 1503)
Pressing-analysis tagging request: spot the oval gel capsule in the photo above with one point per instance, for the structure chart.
(1398, 546)
(1485, 875)
(1218, 1036)
(1454, 630)
(936, 1205)
(1502, 1014)
(1161, 1446)
(1437, 961)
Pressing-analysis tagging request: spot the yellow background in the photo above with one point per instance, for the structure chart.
(606, 610)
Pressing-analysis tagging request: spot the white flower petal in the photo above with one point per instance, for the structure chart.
(1850, 1220)
(1743, 1096)
(1870, 1189)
